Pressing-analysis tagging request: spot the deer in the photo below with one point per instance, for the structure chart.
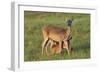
(55, 46)
(57, 34)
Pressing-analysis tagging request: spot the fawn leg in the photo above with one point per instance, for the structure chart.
(60, 47)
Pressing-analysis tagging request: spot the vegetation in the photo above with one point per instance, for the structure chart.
(33, 23)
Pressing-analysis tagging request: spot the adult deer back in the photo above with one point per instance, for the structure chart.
(54, 33)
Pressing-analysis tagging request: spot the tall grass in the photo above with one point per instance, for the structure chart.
(33, 23)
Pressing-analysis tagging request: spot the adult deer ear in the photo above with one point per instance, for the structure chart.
(72, 19)
(66, 19)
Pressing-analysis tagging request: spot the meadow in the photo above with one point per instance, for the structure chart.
(33, 23)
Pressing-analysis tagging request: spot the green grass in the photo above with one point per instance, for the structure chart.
(34, 21)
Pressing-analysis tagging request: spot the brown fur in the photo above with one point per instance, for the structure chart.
(57, 34)
(55, 48)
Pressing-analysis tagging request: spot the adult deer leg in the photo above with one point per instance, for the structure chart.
(69, 45)
(47, 44)
(66, 47)
(44, 44)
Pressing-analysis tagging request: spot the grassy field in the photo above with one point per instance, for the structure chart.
(34, 21)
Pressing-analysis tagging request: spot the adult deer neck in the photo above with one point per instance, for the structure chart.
(68, 30)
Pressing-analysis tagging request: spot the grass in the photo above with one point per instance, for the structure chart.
(33, 23)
